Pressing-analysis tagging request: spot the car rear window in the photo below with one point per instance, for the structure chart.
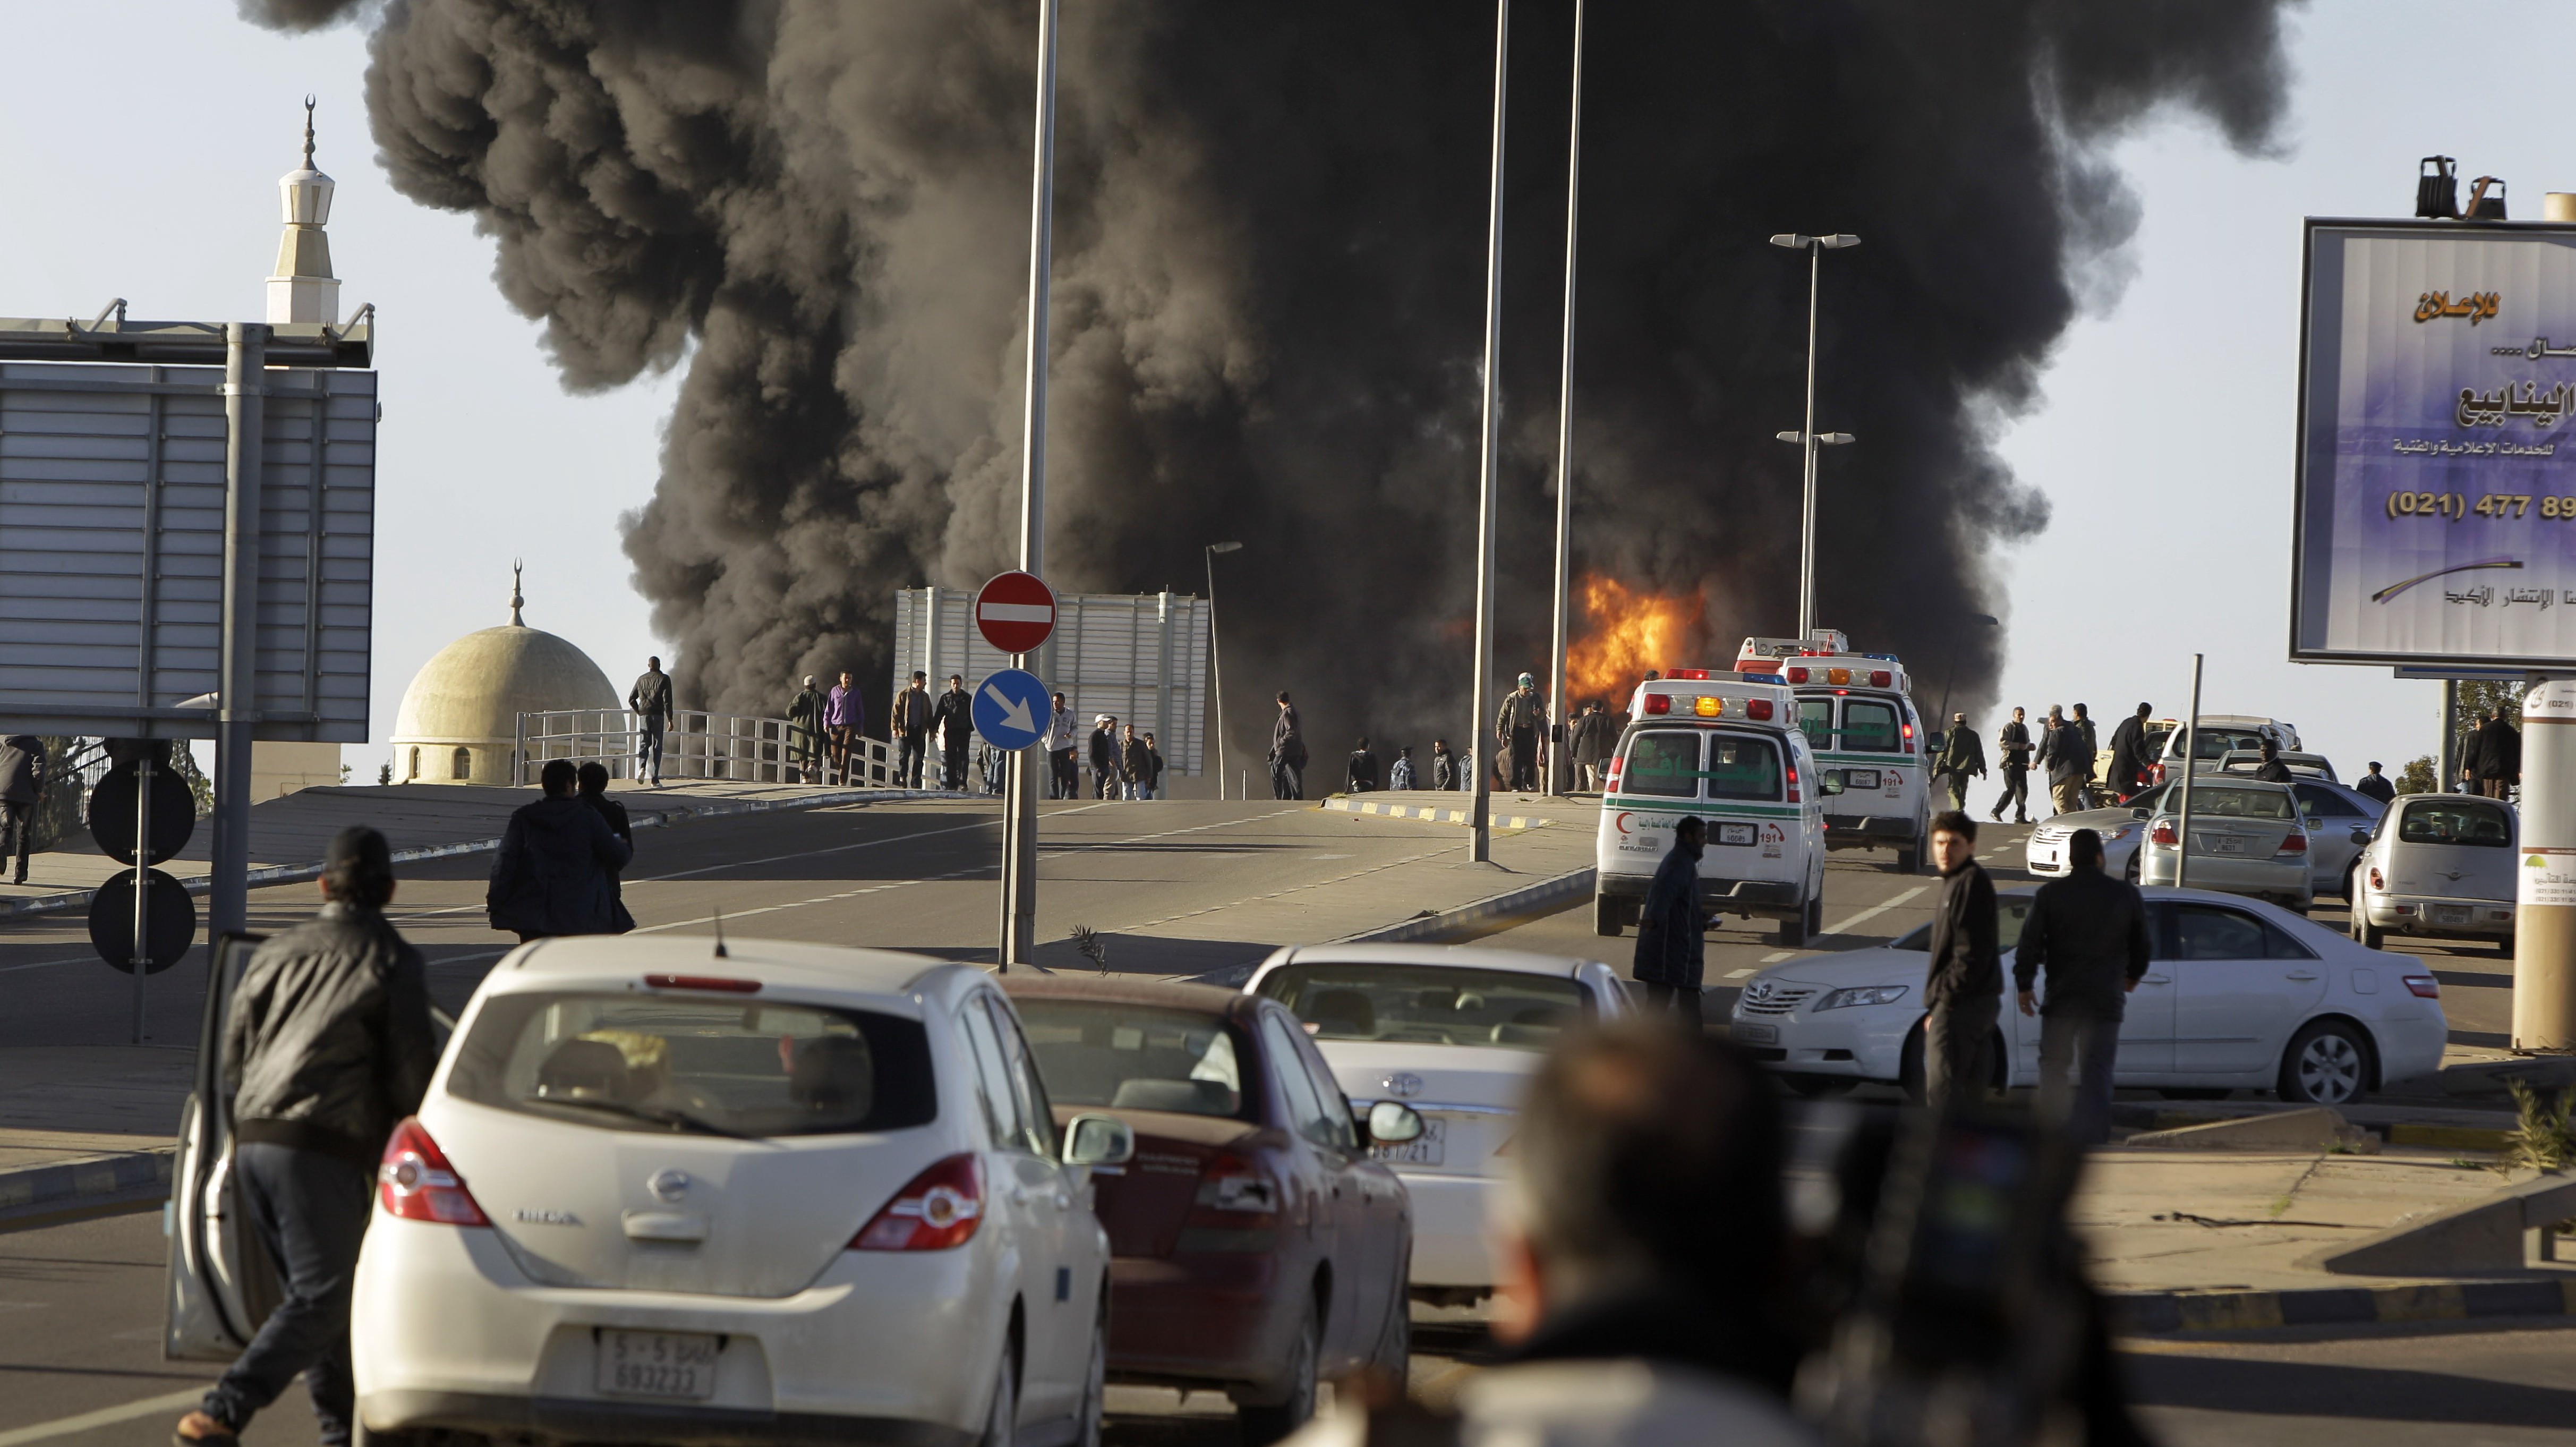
(2217, 744)
(675, 1063)
(2010, 911)
(2218, 801)
(1134, 1057)
(1430, 1004)
(2455, 821)
(1743, 768)
(1663, 761)
(1869, 727)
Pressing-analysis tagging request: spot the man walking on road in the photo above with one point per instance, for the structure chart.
(1287, 753)
(805, 732)
(22, 788)
(326, 1047)
(842, 716)
(1105, 767)
(2012, 742)
(954, 718)
(1516, 729)
(1063, 782)
(910, 720)
(1672, 944)
(2499, 756)
(2092, 751)
(2088, 931)
(1963, 756)
(2069, 761)
(556, 872)
(650, 701)
(1361, 777)
(1964, 988)
(1444, 768)
(2131, 765)
(1135, 764)
(2375, 785)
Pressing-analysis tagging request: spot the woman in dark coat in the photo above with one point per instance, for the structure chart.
(1671, 949)
(556, 874)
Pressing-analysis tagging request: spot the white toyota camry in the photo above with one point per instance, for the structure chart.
(791, 1193)
(2239, 993)
(1454, 1032)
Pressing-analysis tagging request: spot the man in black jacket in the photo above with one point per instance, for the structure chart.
(2376, 785)
(22, 788)
(2499, 755)
(650, 701)
(1107, 769)
(1363, 768)
(2012, 747)
(594, 793)
(2089, 932)
(327, 1046)
(557, 868)
(1964, 986)
(954, 718)
(2130, 764)
(1671, 941)
(1287, 753)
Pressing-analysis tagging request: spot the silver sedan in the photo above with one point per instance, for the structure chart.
(2246, 837)
(2339, 825)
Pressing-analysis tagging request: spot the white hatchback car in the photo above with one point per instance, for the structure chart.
(1455, 1032)
(781, 1193)
(2240, 994)
(2439, 866)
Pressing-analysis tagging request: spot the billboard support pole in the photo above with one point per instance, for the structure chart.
(141, 955)
(237, 702)
(2190, 766)
(1019, 781)
(2544, 916)
(2445, 769)
(1480, 840)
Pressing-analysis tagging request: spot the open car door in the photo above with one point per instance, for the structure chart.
(221, 1283)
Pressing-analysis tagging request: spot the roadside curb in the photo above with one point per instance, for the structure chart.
(124, 1178)
(2155, 1313)
(1427, 814)
(79, 899)
(1542, 897)
(2396, 1133)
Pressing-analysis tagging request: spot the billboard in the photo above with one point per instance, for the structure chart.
(1139, 657)
(112, 549)
(2436, 493)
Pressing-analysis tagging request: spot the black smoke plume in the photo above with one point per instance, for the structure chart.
(1268, 298)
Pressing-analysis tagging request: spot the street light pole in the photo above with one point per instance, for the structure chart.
(1216, 660)
(1480, 843)
(1565, 425)
(1020, 782)
(1815, 247)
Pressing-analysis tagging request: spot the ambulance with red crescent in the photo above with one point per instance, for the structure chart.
(1857, 710)
(1725, 746)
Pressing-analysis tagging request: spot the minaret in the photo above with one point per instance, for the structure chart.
(304, 290)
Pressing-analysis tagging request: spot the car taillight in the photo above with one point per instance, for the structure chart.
(1610, 782)
(1659, 703)
(416, 1183)
(1796, 675)
(2159, 775)
(2424, 987)
(1793, 784)
(1236, 1209)
(2163, 834)
(940, 1209)
(1688, 673)
(721, 984)
(2375, 881)
(2296, 843)
(1758, 709)
(1909, 738)
(1880, 678)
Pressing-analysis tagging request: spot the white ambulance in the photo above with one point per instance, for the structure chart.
(1858, 714)
(1726, 747)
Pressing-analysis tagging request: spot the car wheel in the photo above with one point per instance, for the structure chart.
(1002, 1420)
(1793, 932)
(2328, 1063)
(1605, 916)
(2365, 934)
(1816, 1087)
(1909, 860)
(1095, 1381)
(2131, 873)
(1267, 1423)
(1394, 1353)
(1816, 910)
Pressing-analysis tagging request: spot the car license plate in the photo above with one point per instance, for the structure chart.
(1735, 834)
(1860, 778)
(2450, 914)
(1422, 1150)
(675, 1366)
(1752, 1034)
(2227, 844)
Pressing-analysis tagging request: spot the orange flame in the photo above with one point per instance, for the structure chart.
(1630, 631)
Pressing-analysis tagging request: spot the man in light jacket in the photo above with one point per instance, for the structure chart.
(1963, 756)
(1063, 781)
(805, 731)
(1516, 728)
(910, 718)
(2088, 931)
(1643, 1293)
(650, 701)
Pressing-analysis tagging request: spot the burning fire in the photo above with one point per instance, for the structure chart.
(1629, 631)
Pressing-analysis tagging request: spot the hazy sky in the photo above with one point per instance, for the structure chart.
(145, 143)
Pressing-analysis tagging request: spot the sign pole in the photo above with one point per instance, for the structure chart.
(1480, 841)
(2544, 916)
(2190, 756)
(142, 952)
(237, 703)
(1558, 750)
(1019, 781)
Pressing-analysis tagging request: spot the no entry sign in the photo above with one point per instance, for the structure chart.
(1015, 612)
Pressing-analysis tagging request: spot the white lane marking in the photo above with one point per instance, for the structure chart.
(1740, 974)
(103, 1417)
(46, 964)
(1874, 911)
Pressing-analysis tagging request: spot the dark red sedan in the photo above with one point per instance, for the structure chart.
(1257, 1248)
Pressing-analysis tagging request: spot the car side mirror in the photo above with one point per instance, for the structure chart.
(1392, 1123)
(1831, 781)
(1098, 1140)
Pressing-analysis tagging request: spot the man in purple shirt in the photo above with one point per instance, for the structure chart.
(842, 716)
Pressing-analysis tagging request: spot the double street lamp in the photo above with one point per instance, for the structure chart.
(1216, 661)
(1807, 438)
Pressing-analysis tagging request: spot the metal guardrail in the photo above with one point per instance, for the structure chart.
(699, 745)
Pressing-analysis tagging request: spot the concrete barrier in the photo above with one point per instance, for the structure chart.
(2317, 1129)
(2507, 1231)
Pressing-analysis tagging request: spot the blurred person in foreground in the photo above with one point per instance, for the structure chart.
(328, 1045)
(1642, 1289)
(2088, 931)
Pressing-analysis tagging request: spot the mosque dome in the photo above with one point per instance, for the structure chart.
(459, 720)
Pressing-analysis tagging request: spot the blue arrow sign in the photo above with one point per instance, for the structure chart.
(1011, 709)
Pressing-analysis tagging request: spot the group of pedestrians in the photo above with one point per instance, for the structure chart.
(2491, 756)
(2064, 751)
